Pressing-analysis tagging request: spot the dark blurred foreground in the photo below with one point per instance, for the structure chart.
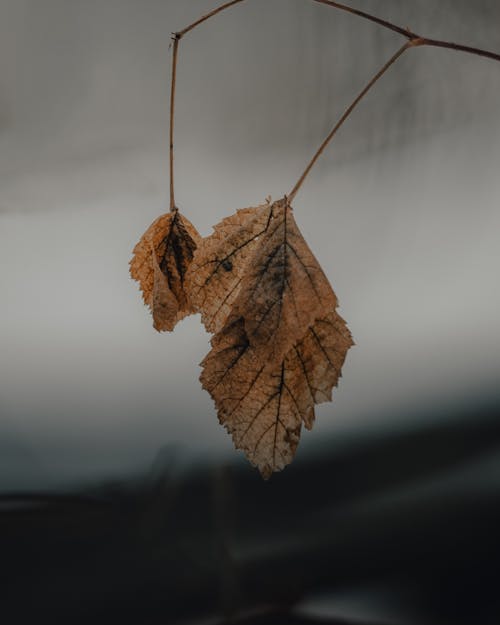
(405, 524)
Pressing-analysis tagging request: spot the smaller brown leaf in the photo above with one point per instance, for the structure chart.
(160, 263)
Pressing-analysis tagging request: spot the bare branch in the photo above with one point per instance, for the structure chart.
(414, 40)
(372, 18)
(204, 18)
(172, 111)
(409, 34)
(460, 48)
(346, 114)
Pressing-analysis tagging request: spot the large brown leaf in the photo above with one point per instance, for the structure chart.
(214, 277)
(160, 262)
(257, 265)
(263, 403)
(283, 289)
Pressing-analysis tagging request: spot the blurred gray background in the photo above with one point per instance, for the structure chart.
(402, 212)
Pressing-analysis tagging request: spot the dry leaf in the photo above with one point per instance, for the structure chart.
(160, 262)
(283, 289)
(264, 403)
(215, 275)
(279, 344)
(257, 265)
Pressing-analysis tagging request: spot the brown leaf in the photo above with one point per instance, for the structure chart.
(214, 277)
(160, 262)
(263, 403)
(283, 289)
(257, 265)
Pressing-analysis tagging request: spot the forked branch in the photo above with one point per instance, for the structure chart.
(410, 35)
(414, 41)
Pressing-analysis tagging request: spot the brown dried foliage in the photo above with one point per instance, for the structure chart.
(264, 403)
(279, 344)
(284, 290)
(160, 262)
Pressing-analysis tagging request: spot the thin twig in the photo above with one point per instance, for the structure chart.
(172, 111)
(414, 40)
(204, 18)
(175, 55)
(457, 46)
(372, 18)
(409, 34)
(346, 114)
